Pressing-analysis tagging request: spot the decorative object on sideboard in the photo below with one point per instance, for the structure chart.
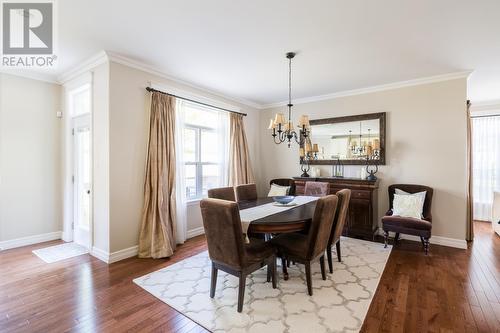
(338, 169)
(283, 130)
(371, 167)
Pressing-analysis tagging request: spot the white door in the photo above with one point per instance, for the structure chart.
(82, 191)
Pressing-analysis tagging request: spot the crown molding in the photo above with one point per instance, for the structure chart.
(31, 75)
(492, 105)
(151, 70)
(84, 67)
(388, 86)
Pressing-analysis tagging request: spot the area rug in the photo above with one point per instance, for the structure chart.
(338, 304)
(60, 252)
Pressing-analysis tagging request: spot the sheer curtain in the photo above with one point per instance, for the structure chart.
(180, 180)
(485, 164)
(223, 144)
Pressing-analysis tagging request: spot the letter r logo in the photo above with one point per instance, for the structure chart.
(27, 28)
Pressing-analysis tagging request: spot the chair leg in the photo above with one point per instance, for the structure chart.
(386, 238)
(339, 256)
(213, 282)
(308, 278)
(241, 291)
(329, 257)
(283, 266)
(396, 238)
(273, 272)
(322, 264)
(268, 272)
(426, 245)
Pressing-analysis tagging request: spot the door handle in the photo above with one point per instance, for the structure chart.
(88, 191)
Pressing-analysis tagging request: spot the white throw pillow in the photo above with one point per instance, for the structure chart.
(278, 190)
(406, 206)
(420, 195)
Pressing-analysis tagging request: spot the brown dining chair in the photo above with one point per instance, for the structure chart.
(227, 249)
(316, 189)
(409, 225)
(224, 193)
(284, 182)
(246, 192)
(306, 248)
(338, 225)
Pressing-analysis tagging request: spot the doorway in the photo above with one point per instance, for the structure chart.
(81, 180)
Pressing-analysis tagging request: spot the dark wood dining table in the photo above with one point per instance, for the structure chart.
(291, 220)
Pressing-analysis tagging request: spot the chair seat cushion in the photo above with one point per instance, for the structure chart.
(294, 244)
(406, 222)
(258, 250)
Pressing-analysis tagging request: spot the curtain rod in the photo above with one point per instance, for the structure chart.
(193, 101)
(486, 116)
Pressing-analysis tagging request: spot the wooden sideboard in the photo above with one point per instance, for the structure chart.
(362, 217)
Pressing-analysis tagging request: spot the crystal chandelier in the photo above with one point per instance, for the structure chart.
(283, 130)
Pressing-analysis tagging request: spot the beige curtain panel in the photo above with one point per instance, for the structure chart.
(157, 234)
(240, 169)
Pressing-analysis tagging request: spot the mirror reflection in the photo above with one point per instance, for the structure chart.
(346, 141)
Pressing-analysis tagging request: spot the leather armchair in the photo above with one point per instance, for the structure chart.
(408, 225)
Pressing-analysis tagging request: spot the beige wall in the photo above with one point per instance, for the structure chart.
(128, 140)
(426, 137)
(30, 182)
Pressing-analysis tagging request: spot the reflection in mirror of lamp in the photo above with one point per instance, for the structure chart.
(348, 140)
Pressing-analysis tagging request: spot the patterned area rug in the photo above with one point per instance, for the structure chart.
(60, 252)
(338, 304)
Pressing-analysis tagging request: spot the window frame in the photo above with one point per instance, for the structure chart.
(198, 163)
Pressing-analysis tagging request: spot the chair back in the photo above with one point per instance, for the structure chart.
(412, 188)
(246, 192)
(321, 225)
(316, 189)
(222, 224)
(284, 182)
(344, 197)
(223, 193)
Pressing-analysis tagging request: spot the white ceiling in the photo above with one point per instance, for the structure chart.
(238, 47)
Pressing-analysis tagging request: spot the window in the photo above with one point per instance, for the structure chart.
(204, 149)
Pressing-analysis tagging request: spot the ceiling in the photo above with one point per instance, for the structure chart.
(238, 47)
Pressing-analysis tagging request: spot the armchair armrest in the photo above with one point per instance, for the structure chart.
(389, 213)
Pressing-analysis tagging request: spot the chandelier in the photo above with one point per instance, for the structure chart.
(283, 130)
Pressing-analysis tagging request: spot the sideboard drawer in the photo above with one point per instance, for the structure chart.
(360, 194)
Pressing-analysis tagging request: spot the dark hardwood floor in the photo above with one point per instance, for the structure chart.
(451, 290)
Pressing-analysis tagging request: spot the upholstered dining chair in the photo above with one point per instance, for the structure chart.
(246, 192)
(284, 182)
(316, 189)
(224, 193)
(306, 248)
(338, 225)
(227, 249)
(409, 225)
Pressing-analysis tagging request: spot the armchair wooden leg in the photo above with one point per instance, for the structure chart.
(386, 238)
(329, 257)
(241, 291)
(339, 256)
(322, 264)
(273, 272)
(396, 238)
(213, 282)
(426, 245)
(308, 278)
(283, 267)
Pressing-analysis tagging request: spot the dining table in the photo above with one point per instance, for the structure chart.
(293, 219)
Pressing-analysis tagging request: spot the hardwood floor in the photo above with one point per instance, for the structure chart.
(451, 290)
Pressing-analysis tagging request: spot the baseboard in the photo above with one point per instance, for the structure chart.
(195, 232)
(112, 257)
(438, 240)
(24, 241)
